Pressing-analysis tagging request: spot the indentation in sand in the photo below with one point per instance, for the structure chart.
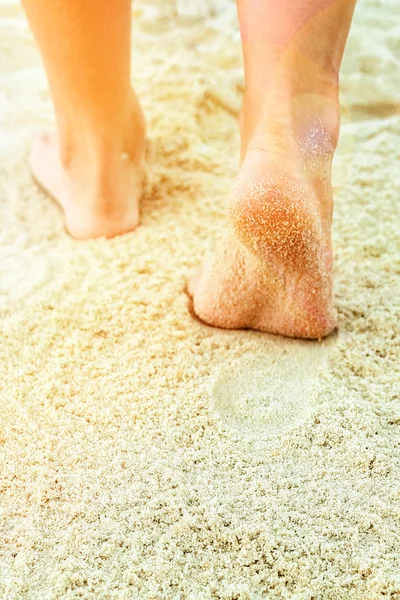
(266, 397)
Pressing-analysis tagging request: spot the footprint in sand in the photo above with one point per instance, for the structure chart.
(266, 397)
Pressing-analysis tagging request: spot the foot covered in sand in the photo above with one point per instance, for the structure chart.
(273, 269)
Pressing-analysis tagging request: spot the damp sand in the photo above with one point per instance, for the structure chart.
(144, 455)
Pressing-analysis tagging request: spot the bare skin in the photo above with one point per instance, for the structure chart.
(272, 271)
(92, 168)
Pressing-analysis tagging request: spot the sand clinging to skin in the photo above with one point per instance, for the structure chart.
(134, 460)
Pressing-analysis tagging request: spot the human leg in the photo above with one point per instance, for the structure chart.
(273, 270)
(89, 166)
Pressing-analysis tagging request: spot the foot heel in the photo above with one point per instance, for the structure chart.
(273, 218)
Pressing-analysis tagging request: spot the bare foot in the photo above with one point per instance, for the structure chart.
(99, 191)
(273, 269)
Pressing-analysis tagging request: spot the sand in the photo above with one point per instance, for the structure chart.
(144, 455)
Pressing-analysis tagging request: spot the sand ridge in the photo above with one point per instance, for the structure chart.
(122, 472)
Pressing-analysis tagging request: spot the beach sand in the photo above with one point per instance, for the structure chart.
(145, 455)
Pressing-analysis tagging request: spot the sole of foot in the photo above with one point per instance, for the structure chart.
(273, 270)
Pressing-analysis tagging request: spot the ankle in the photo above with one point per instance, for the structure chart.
(294, 95)
(101, 140)
(308, 124)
